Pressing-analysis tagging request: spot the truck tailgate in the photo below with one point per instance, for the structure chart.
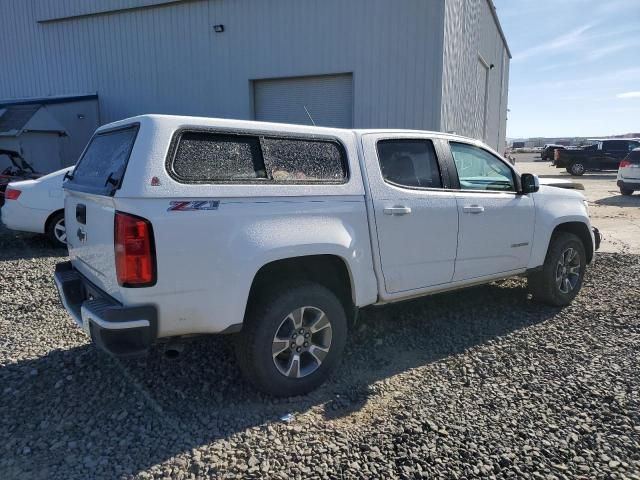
(89, 207)
(89, 219)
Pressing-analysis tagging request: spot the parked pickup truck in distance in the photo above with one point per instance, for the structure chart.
(602, 155)
(548, 150)
(279, 233)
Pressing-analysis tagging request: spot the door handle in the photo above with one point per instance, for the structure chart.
(397, 211)
(473, 209)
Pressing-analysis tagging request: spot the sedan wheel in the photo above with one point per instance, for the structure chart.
(56, 230)
(60, 232)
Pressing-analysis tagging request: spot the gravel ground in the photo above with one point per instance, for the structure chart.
(480, 383)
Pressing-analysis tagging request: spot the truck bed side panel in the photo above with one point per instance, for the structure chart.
(208, 258)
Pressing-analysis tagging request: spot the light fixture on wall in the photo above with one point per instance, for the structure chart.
(218, 28)
(492, 66)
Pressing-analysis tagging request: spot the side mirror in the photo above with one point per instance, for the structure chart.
(530, 183)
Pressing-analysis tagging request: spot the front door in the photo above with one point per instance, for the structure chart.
(416, 219)
(496, 223)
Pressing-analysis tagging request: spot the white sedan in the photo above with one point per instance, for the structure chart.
(37, 206)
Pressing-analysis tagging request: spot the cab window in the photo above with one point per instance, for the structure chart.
(480, 170)
(409, 163)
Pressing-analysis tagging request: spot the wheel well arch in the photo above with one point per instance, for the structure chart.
(580, 230)
(330, 271)
(47, 223)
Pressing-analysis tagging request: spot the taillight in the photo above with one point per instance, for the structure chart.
(135, 251)
(625, 163)
(12, 194)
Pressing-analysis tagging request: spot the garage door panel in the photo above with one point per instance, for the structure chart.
(328, 98)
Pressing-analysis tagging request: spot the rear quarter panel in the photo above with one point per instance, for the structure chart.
(207, 259)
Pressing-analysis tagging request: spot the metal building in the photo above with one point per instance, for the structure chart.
(424, 64)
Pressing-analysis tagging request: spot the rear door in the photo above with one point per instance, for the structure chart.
(496, 223)
(90, 207)
(415, 216)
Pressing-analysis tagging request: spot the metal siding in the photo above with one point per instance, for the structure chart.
(56, 10)
(79, 129)
(168, 59)
(469, 31)
(328, 98)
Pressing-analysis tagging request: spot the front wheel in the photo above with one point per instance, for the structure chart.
(560, 279)
(576, 169)
(292, 339)
(626, 191)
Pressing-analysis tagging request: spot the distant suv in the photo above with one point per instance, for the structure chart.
(629, 173)
(279, 233)
(602, 155)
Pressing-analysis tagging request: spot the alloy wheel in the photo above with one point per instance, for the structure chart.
(302, 342)
(578, 168)
(60, 232)
(568, 270)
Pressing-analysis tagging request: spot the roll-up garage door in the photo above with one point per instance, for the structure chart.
(328, 98)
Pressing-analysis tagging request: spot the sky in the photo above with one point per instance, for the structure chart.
(575, 69)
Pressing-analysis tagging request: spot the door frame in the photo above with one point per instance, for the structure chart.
(439, 143)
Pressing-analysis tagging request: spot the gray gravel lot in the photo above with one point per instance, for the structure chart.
(477, 383)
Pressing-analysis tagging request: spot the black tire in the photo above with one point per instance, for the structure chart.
(576, 169)
(626, 191)
(266, 314)
(544, 285)
(52, 224)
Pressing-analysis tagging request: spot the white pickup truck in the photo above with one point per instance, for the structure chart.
(280, 233)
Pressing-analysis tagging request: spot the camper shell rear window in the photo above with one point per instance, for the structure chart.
(198, 156)
(102, 165)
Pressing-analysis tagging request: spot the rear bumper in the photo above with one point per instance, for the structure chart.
(15, 216)
(116, 329)
(634, 185)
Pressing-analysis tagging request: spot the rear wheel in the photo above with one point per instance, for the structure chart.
(293, 338)
(626, 191)
(561, 276)
(56, 230)
(576, 169)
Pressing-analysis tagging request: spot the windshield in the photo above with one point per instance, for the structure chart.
(102, 166)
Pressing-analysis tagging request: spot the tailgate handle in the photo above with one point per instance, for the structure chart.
(81, 213)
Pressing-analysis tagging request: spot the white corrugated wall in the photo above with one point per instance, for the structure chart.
(470, 32)
(168, 59)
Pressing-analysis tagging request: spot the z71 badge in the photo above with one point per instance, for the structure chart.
(189, 206)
